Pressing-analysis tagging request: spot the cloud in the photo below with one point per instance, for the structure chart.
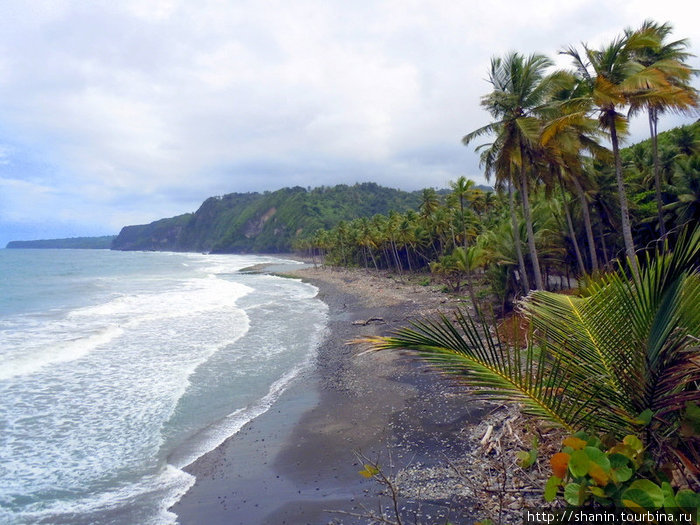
(124, 111)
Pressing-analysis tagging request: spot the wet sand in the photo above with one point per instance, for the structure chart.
(298, 463)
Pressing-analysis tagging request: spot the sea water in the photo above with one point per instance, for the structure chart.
(117, 369)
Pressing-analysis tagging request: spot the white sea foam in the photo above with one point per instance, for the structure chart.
(40, 350)
(98, 393)
(31, 343)
(165, 488)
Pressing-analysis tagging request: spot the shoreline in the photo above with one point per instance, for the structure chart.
(297, 463)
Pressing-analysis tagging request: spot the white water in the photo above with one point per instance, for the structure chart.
(131, 360)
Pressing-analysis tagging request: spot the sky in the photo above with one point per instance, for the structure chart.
(117, 113)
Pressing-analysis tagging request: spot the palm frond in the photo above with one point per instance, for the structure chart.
(594, 361)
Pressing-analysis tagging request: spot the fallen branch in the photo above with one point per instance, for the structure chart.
(376, 320)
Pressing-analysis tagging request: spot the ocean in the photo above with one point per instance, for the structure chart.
(117, 369)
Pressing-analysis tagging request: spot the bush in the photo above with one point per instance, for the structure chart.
(604, 472)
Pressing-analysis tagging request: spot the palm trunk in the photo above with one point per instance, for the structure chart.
(653, 121)
(530, 232)
(588, 226)
(387, 257)
(464, 225)
(624, 209)
(408, 258)
(374, 261)
(601, 233)
(524, 280)
(470, 288)
(396, 256)
(572, 233)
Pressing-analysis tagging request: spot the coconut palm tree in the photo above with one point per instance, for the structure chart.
(520, 89)
(609, 77)
(493, 161)
(463, 190)
(429, 202)
(567, 134)
(468, 260)
(677, 95)
(687, 185)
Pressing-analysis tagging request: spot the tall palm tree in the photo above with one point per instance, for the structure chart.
(429, 202)
(463, 191)
(468, 260)
(610, 76)
(520, 89)
(567, 134)
(677, 95)
(493, 161)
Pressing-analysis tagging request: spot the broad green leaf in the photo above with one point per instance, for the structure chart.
(651, 489)
(598, 456)
(594, 441)
(582, 435)
(669, 498)
(637, 499)
(618, 460)
(578, 464)
(573, 494)
(687, 499)
(551, 488)
(621, 474)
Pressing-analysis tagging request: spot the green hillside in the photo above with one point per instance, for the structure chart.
(264, 222)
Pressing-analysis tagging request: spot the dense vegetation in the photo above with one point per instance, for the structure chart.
(92, 243)
(263, 222)
(615, 360)
(466, 234)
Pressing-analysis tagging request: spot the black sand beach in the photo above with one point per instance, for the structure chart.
(298, 464)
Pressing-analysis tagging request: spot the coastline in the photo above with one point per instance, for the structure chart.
(298, 464)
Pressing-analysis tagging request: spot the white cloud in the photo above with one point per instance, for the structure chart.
(155, 105)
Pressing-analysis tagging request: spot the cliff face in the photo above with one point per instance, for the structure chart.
(263, 222)
(159, 235)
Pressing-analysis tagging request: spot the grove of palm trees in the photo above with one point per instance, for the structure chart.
(614, 360)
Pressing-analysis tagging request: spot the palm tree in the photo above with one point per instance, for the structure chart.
(468, 260)
(684, 139)
(520, 89)
(595, 361)
(463, 190)
(677, 95)
(429, 202)
(493, 161)
(687, 185)
(609, 77)
(567, 134)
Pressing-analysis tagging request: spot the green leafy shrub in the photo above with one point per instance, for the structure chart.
(594, 472)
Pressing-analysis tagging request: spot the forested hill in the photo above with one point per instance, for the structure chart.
(264, 222)
(92, 243)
